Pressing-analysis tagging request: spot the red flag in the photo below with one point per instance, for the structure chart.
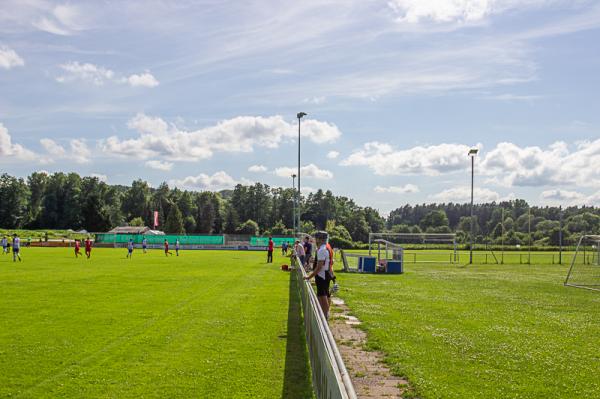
(155, 219)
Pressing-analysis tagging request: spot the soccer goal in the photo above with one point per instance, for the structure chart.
(420, 247)
(585, 265)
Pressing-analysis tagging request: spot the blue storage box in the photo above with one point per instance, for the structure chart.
(366, 264)
(394, 267)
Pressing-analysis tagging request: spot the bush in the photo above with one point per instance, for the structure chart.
(137, 222)
(248, 227)
(338, 242)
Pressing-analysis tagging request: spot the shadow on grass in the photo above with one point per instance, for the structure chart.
(297, 378)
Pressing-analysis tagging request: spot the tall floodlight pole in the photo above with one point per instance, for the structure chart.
(300, 115)
(294, 200)
(560, 227)
(502, 235)
(472, 154)
(529, 232)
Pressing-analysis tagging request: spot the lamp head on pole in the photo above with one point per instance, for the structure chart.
(473, 152)
(293, 176)
(301, 114)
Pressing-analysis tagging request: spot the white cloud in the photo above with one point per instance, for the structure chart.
(307, 171)
(9, 58)
(333, 154)
(10, 150)
(218, 181)
(79, 151)
(307, 190)
(62, 20)
(383, 159)
(145, 79)
(53, 148)
(159, 165)
(569, 198)
(103, 178)
(462, 194)
(85, 72)
(240, 134)
(257, 168)
(511, 165)
(406, 189)
(513, 97)
(314, 100)
(99, 75)
(415, 11)
(458, 12)
(507, 164)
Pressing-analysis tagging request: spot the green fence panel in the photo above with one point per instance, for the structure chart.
(159, 239)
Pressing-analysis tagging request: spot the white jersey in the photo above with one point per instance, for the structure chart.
(323, 255)
(144, 242)
(130, 245)
(4, 242)
(177, 244)
(16, 243)
(299, 248)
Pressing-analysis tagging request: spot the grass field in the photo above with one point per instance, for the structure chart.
(206, 324)
(485, 331)
(487, 257)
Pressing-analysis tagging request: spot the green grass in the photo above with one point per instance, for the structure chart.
(206, 324)
(485, 331)
(484, 257)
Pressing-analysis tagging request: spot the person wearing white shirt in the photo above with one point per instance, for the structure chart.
(299, 251)
(16, 248)
(321, 271)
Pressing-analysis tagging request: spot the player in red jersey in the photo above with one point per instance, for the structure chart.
(78, 248)
(88, 247)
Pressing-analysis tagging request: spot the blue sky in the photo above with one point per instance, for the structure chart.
(203, 95)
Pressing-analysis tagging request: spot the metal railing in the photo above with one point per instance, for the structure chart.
(329, 375)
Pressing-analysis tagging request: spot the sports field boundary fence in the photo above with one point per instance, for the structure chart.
(330, 378)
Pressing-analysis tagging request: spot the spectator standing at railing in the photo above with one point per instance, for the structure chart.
(299, 251)
(307, 250)
(321, 272)
(270, 247)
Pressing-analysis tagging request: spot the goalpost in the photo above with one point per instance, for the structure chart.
(434, 247)
(585, 265)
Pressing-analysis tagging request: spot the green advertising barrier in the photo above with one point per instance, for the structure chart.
(106, 238)
(264, 241)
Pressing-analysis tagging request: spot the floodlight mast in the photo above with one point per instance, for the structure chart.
(294, 202)
(299, 115)
(472, 153)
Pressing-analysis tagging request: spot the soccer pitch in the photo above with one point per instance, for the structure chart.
(204, 324)
(482, 331)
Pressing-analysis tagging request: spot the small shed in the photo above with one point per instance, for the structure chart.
(130, 230)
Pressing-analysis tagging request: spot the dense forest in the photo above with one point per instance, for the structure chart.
(63, 201)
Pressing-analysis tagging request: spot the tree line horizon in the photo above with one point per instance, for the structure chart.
(70, 201)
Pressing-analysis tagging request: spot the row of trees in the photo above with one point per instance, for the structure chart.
(508, 222)
(62, 201)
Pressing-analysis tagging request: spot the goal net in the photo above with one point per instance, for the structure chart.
(420, 247)
(585, 265)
